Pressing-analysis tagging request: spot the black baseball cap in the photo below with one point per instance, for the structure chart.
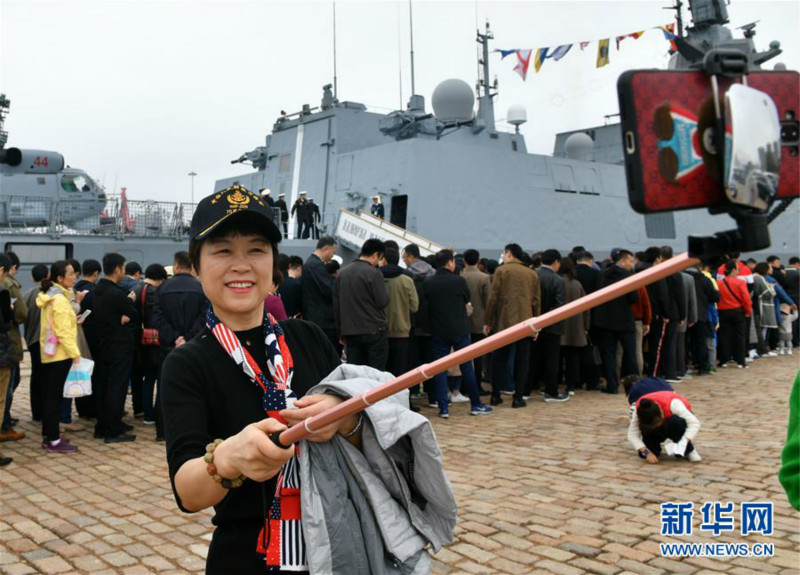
(233, 202)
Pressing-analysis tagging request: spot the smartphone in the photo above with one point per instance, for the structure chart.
(670, 161)
(82, 317)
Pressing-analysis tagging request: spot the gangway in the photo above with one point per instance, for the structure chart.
(353, 229)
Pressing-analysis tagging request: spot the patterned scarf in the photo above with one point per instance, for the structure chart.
(281, 538)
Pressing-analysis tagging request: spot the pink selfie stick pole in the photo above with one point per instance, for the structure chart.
(527, 328)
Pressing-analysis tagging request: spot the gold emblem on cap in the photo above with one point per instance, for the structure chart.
(238, 200)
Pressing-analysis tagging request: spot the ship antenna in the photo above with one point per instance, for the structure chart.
(478, 51)
(485, 104)
(411, 33)
(399, 58)
(335, 84)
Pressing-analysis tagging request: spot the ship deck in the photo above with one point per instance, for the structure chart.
(552, 488)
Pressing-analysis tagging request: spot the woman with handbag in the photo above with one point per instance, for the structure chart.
(150, 349)
(734, 309)
(58, 340)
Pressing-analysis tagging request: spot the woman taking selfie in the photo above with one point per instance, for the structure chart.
(241, 379)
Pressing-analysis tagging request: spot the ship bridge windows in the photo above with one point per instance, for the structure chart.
(75, 183)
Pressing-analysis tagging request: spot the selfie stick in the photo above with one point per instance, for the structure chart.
(527, 328)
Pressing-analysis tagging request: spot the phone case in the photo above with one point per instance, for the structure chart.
(664, 114)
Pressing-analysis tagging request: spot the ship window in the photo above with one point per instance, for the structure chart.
(285, 163)
(40, 181)
(513, 145)
(77, 183)
(660, 226)
(563, 178)
(33, 254)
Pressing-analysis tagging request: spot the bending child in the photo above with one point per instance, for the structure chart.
(661, 416)
(637, 386)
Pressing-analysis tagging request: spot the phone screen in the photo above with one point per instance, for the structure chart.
(667, 117)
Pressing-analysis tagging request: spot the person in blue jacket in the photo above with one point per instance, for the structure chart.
(636, 386)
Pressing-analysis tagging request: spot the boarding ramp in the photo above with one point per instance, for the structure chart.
(352, 230)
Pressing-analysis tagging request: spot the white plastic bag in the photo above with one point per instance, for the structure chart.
(79, 379)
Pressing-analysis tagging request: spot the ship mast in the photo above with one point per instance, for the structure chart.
(411, 34)
(485, 94)
(678, 7)
(5, 104)
(335, 79)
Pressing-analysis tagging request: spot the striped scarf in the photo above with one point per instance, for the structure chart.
(281, 538)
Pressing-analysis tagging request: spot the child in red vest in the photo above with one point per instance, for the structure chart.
(660, 416)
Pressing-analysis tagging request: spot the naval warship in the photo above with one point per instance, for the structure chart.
(452, 176)
(446, 176)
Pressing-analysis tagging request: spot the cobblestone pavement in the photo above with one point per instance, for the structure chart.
(552, 488)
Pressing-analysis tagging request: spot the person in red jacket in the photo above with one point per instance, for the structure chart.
(734, 307)
(660, 416)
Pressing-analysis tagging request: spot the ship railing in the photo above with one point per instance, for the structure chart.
(110, 217)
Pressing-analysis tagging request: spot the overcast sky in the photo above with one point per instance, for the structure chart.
(141, 93)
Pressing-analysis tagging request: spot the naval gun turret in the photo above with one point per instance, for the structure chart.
(37, 188)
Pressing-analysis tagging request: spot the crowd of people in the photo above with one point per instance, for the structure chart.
(124, 319)
(393, 310)
(692, 323)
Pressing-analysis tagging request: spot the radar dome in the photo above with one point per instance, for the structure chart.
(453, 101)
(517, 115)
(579, 146)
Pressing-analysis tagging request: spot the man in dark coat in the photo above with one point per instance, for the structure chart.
(706, 294)
(376, 209)
(443, 304)
(676, 314)
(303, 210)
(360, 300)
(291, 288)
(615, 323)
(314, 217)
(658, 292)
(91, 275)
(281, 205)
(179, 306)
(113, 310)
(265, 195)
(546, 350)
(589, 277)
(317, 284)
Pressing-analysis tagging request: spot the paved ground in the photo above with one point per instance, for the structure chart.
(547, 489)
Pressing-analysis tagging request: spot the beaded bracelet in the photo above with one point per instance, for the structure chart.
(212, 469)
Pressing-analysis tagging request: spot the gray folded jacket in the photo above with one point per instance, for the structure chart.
(376, 510)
